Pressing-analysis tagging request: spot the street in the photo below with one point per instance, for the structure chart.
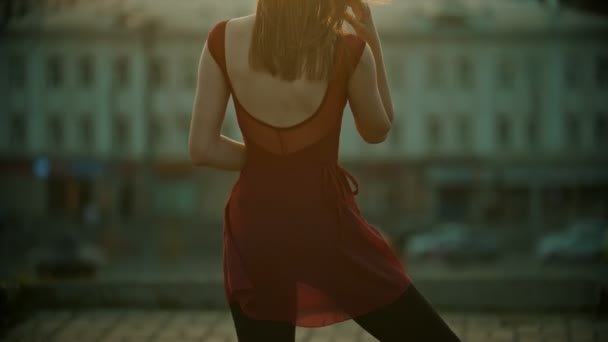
(208, 326)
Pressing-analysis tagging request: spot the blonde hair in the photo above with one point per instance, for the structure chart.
(294, 38)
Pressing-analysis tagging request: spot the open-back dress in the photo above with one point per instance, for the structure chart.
(296, 246)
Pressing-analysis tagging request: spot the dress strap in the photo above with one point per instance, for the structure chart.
(216, 45)
(350, 178)
(338, 178)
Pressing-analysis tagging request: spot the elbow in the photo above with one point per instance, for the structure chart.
(198, 156)
(379, 136)
(375, 139)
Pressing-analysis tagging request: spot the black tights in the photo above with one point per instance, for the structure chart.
(409, 318)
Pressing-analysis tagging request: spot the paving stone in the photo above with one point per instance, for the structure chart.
(503, 334)
(183, 333)
(345, 338)
(181, 339)
(348, 328)
(476, 335)
(224, 326)
(59, 315)
(206, 326)
(367, 337)
(488, 321)
(25, 332)
(528, 328)
(583, 335)
(459, 331)
(530, 339)
(303, 334)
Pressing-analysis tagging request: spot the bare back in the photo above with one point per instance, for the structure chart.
(268, 99)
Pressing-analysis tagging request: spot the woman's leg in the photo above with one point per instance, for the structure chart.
(409, 318)
(249, 329)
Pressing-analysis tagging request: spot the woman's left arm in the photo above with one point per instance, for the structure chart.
(206, 145)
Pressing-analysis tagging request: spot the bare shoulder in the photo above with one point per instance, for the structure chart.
(241, 23)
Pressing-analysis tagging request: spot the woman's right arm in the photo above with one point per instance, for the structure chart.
(369, 92)
(383, 87)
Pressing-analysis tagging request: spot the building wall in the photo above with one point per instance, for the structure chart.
(461, 100)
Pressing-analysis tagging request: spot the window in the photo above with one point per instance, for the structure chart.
(55, 130)
(121, 131)
(121, 71)
(464, 130)
(57, 192)
(16, 72)
(504, 130)
(86, 71)
(532, 131)
(18, 131)
(454, 202)
(601, 128)
(573, 130)
(87, 133)
(601, 72)
(534, 74)
(126, 199)
(156, 73)
(435, 75)
(506, 73)
(465, 72)
(573, 76)
(434, 131)
(156, 132)
(534, 70)
(54, 72)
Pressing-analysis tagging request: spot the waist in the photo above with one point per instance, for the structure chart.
(325, 176)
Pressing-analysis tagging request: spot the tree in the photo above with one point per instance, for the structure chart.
(592, 6)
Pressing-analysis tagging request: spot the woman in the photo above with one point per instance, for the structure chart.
(297, 251)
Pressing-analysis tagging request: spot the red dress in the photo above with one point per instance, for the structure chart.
(296, 246)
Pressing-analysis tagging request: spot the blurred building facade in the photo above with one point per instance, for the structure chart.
(501, 113)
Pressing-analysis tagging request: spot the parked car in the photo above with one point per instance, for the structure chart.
(68, 256)
(581, 241)
(453, 243)
(17, 235)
